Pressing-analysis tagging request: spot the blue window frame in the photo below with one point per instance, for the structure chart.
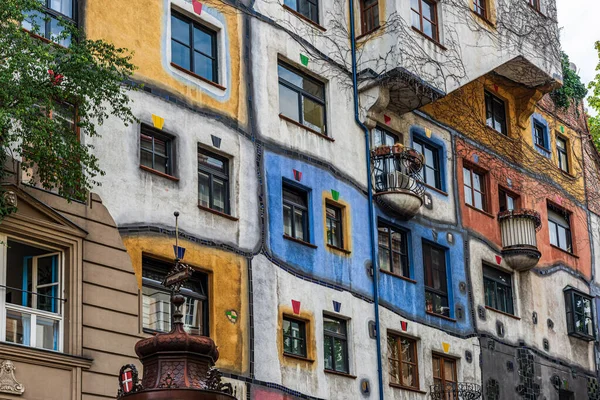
(433, 172)
(540, 135)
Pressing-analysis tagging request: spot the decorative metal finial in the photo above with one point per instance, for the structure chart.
(180, 271)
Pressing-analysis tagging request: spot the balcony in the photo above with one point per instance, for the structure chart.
(396, 179)
(455, 391)
(519, 242)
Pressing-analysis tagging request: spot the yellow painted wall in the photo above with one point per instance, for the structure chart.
(464, 110)
(228, 290)
(139, 25)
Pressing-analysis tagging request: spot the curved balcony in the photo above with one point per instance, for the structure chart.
(396, 179)
(455, 391)
(519, 242)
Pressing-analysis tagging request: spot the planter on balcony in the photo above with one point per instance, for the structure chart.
(396, 182)
(519, 242)
(455, 391)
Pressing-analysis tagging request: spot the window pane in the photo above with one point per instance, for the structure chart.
(340, 355)
(18, 327)
(47, 333)
(428, 28)
(180, 55)
(328, 347)
(203, 189)
(180, 30)
(287, 220)
(160, 147)
(156, 309)
(468, 196)
(203, 42)
(416, 20)
(299, 224)
(160, 164)
(219, 195)
(146, 159)
(430, 176)
(288, 103)
(384, 259)
(408, 375)
(313, 88)
(477, 182)
(562, 238)
(55, 30)
(314, 115)
(408, 354)
(289, 76)
(34, 21)
(64, 7)
(478, 200)
(449, 370)
(437, 370)
(211, 161)
(467, 177)
(553, 236)
(203, 66)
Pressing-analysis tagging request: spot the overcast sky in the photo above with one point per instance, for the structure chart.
(580, 29)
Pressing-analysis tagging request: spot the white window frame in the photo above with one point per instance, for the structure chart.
(33, 313)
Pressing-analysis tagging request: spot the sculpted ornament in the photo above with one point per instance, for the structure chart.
(8, 382)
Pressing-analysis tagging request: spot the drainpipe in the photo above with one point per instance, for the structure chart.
(370, 196)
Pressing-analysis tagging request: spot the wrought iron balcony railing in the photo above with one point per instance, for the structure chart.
(519, 241)
(455, 391)
(396, 178)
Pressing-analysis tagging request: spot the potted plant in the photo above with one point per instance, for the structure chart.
(382, 150)
(397, 148)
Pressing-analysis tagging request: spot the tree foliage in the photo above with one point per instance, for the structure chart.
(53, 97)
(573, 90)
(594, 102)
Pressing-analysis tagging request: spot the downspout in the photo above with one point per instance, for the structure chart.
(370, 197)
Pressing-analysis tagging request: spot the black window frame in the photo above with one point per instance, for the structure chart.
(540, 140)
(49, 14)
(214, 46)
(153, 272)
(442, 294)
(493, 277)
(302, 338)
(484, 186)
(301, 93)
(369, 14)
(298, 9)
(169, 140)
(564, 152)
(338, 218)
(503, 195)
(434, 24)
(332, 336)
(554, 224)
(212, 172)
(480, 8)
(491, 103)
(295, 190)
(403, 254)
(436, 168)
(571, 294)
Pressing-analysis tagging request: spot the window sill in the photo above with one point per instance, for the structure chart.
(219, 213)
(440, 316)
(187, 71)
(542, 148)
(43, 39)
(302, 358)
(567, 174)
(293, 239)
(497, 132)
(397, 276)
(155, 172)
(412, 389)
(364, 35)
(291, 121)
(335, 248)
(344, 374)
(37, 356)
(484, 19)
(503, 313)
(438, 44)
(563, 251)
(303, 18)
(440, 191)
(481, 211)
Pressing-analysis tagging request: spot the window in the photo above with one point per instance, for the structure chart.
(403, 361)
(535, 4)
(32, 277)
(444, 375)
(498, 290)
(393, 251)
(479, 8)
(565, 395)
(307, 8)
(301, 98)
(213, 181)
(475, 188)
(381, 137)
(336, 344)
(295, 213)
(294, 337)
(436, 287)
(580, 316)
(560, 228)
(507, 200)
(194, 48)
(424, 17)
(495, 113)
(157, 308)
(369, 10)
(430, 174)
(335, 231)
(156, 150)
(540, 135)
(561, 153)
(46, 23)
